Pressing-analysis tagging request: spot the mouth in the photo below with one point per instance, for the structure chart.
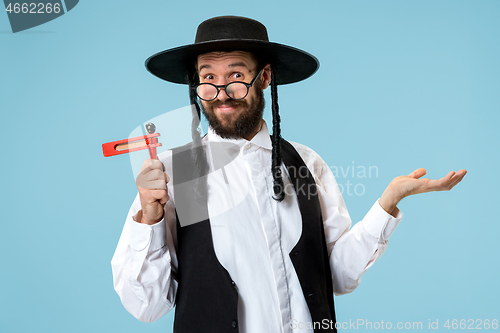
(226, 107)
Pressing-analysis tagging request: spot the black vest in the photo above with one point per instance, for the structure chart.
(207, 297)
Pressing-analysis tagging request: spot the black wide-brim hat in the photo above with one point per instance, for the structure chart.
(233, 33)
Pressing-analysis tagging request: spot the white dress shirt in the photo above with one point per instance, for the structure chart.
(252, 236)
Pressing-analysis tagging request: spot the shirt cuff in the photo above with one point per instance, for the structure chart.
(144, 235)
(379, 223)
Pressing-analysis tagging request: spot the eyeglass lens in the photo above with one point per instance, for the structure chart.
(235, 90)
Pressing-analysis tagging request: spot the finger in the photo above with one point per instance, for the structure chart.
(460, 173)
(457, 178)
(418, 173)
(160, 195)
(158, 184)
(167, 178)
(437, 184)
(151, 164)
(448, 177)
(451, 179)
(164, 199)
(150, 171)
(153, 175)
(150, 179)
(156, 164)
(145, 165)
(442, 183)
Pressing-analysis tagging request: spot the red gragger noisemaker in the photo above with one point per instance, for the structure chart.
(149, 141)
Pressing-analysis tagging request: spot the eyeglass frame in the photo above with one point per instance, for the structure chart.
(218, 87)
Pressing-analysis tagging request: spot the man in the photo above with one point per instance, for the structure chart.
(267, 243)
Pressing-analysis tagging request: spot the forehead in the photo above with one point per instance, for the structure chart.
(221, 59)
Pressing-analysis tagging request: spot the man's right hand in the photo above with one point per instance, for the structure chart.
(152, 186)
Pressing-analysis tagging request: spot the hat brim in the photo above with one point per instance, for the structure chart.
(291, 64)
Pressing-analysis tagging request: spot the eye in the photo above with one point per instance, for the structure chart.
(237, 76)
(208, 77)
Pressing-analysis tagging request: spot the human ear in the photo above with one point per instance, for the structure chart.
(266, 76)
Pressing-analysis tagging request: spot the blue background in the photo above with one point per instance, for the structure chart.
(402, 85)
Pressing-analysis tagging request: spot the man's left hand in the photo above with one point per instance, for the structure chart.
(403, 186)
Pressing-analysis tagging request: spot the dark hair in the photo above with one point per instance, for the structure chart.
(278, 187)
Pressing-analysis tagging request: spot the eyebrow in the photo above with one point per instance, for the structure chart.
(235, 64)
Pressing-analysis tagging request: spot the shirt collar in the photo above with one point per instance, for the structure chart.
(260, 139)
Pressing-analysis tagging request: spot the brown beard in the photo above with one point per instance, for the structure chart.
(247, 122)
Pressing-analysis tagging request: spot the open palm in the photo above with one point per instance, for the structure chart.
(403, 186)
(413, 184)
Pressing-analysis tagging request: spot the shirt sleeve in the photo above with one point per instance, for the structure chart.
(352, 250)
(144, 264)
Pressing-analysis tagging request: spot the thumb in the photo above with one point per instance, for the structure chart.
(418, 173)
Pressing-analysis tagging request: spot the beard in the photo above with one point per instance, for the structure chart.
(245, 123)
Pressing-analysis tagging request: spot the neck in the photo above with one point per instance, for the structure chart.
(250, 136)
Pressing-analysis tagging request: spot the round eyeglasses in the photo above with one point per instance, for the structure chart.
(234, 90)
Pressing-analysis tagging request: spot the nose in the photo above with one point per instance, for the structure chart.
(222, 96)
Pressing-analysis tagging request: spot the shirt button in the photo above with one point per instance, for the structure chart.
(247, 146)
(234, 324)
